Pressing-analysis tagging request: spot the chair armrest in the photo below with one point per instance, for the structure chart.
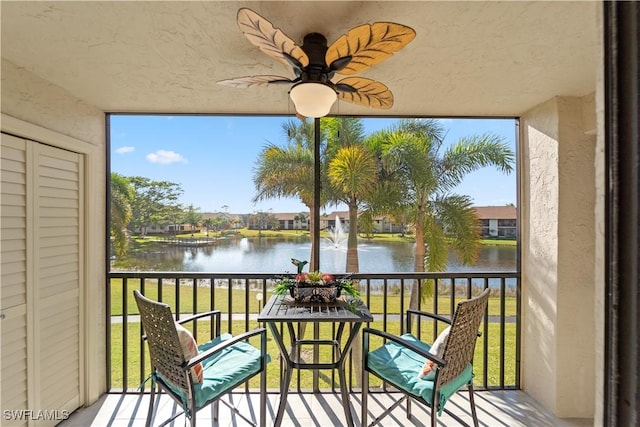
(215, 313)
(191, 318)
(412, 312)
(227, 343)
(404, 343)
(431, 315)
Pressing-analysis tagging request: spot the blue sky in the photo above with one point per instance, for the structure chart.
(213, 157)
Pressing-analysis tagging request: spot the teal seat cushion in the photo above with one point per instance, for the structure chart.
(400, 366)
(223, 370)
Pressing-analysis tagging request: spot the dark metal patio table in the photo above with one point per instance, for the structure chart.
(283, 309)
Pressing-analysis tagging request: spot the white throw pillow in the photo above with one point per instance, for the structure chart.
(190, 350)
(437, 349)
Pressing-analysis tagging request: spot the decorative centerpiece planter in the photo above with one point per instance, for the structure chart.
(314, 292)
(315, 287)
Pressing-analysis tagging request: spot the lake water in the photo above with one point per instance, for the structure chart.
(274, 255)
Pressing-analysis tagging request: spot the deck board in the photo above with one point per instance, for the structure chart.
(495, 409)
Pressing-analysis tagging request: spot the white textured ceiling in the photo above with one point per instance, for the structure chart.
(468, 58)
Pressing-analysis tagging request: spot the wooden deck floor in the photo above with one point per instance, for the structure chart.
(495, 409)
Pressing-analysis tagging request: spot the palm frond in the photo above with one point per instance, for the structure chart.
(437, 252)
(284, 172)
(353, 171)
(300, 132)
(461, 225)
(431, 129)
(342, 132)
(475, 152)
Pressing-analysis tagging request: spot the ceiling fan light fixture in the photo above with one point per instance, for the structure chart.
(313, 99)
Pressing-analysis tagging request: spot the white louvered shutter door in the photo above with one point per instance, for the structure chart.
(57, 254)
(13, 278)
(41, 269)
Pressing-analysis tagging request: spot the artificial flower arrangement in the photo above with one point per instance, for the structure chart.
(314, 286)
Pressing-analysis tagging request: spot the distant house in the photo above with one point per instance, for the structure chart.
(328, 220)
(300, 221)
(166, 229)
(497, 221)
(292, 221)
(179, 228)
(382, 224)
(233, 221)
(385, 224)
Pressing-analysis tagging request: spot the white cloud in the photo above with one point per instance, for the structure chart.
(165, 157)
(124, 150)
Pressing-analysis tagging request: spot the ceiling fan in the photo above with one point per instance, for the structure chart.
(315, 64)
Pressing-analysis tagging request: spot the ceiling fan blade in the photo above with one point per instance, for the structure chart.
(270, 40)
(249, 81)
(367, 92)
(337, 65)
(369, 44)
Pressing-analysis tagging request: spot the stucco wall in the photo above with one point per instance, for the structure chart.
(599, 227)
(558, 200)
(32, 99)
(45, 111)
(576, 239)
(539, 207)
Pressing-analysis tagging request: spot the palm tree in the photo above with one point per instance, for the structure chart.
(193, 218)
(301, 218)
(353, 173)
(174, 215)
(208, 224)
(353, 177)
(121, 212)
(420, 179)
(288, 171)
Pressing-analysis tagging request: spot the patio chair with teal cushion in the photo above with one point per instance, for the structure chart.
(430, 374)
(198, 376)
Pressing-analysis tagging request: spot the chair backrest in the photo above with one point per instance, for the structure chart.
(164, 345)
(460, 346)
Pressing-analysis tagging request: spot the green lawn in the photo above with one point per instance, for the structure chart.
(241, 304)
(134, 350)
(499, 242)
(247, 303)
